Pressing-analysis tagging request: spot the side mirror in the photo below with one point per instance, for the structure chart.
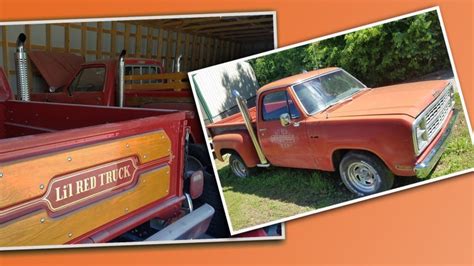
(52, 89)
(285, 119)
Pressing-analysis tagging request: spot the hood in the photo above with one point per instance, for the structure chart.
(56, 68)
(408, 99)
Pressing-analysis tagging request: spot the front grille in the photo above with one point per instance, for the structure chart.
(437, 113)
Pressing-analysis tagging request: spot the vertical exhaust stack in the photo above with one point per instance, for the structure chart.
(242, 104)
(121, 78)
(21, 64)
(178, 63)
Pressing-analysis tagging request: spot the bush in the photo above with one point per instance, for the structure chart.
(385, 54)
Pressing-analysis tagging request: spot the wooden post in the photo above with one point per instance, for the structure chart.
(5, 49)
(159, 45)
(186, 52)
(138, 41)
(113, 39)
(149, 42)
(67, 45)
(169, 50)
(126, 36)
(98, 51)
(83, 39)
(48, 37)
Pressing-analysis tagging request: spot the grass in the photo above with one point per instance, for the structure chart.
(278, 193)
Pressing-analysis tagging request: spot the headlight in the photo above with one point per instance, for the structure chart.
(420, 135)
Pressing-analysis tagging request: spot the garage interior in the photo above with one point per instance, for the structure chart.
(201, 41)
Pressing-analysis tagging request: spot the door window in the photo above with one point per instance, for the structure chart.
(278, 103)
(89, 80)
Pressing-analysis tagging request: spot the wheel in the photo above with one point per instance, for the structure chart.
(364, 173)
(218, 226)
(238, 167)
(198, 159)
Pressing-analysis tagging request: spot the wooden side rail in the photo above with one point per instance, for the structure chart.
(165, 81)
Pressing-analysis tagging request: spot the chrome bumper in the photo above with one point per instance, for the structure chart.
(191, 226)
(424, 168)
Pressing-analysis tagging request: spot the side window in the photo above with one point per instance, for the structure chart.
(89, 80)
(277, 103)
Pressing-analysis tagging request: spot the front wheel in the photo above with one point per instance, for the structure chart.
(365, 174)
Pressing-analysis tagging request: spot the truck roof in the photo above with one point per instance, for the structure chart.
(288, 81)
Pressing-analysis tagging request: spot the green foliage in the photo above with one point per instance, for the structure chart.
(380, 55)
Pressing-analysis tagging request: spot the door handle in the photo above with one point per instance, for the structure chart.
(262, 129)
(296, 124)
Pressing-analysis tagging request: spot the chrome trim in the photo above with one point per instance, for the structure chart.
(190, 226)
(318, 76)
(189, 202)
(121, 80)
(422, 115)
(424, 168)
(21, 66)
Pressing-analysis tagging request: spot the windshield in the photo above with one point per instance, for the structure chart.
(321, 92)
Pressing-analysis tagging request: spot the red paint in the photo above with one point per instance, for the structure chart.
(375, 120)
(29, 129)
(156, 99)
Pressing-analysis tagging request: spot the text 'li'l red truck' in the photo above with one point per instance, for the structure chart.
(328, 120)
(138, 83)
(87, 174)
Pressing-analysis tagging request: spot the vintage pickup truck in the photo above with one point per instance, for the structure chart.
(328, 120)
(86, 174)
(139, 83)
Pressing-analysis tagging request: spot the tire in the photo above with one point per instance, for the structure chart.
(218, 226)
(198, 159)
(365, 174)
(238, 167)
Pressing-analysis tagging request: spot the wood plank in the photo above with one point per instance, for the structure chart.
(226, 24)
(83, 39)
(126, 38)
(169, 50)
(138, 41)
(20, 184)
(48, 37)
(39, 229)
(178, 86)
(161, 76)
(178, 49)
(160, 45)
(113, 38)
(149, 42)
(186, 54)
(99, 41)
(67, 44)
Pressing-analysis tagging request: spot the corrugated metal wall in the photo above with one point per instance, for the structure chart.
(214, 88)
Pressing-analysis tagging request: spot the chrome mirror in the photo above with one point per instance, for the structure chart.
(285, 119)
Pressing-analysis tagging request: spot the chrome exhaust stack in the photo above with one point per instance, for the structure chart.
(121, 79)
(178, 63)
(242, 104)
(21, 65)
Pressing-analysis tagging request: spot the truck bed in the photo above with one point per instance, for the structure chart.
(234, 122)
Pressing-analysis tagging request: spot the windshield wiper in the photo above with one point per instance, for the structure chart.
(338, 102)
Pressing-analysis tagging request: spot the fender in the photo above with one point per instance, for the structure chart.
(239, 142)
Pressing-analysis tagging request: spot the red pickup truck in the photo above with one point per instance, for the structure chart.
(86, 174)
(328, 120)
(139, 83)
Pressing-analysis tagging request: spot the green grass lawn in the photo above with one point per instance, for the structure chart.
(278, 193)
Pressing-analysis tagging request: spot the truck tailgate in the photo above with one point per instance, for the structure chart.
(65, 185)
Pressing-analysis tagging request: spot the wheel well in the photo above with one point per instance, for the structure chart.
(337, 156)
(228, 151)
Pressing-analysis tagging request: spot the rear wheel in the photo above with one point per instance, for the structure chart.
(198, 159)
(238, 166)
(364, 173)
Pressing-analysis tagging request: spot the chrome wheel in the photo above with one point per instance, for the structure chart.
(363, 176)
(238, 168)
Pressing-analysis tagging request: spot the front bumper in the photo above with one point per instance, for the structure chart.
(424, 168)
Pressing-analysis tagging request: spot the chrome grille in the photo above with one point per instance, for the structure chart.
(437, 113)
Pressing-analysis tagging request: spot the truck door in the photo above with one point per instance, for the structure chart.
(283, 145)
(88, 86)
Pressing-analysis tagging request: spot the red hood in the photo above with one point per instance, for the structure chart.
(409, 99)
(56, 68)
